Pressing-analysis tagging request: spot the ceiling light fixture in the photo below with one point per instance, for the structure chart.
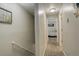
(52, 10)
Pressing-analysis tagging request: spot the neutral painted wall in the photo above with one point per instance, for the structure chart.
(36, 30)
(60, 26)
(41, 35)
(70, 30)
(21, 31)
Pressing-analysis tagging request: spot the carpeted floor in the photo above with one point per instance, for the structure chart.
(53, 49)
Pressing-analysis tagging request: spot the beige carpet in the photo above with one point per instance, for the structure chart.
(53, 49)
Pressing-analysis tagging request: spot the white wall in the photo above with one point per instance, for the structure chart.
(36, 30)
(21, 31)
(60, 27)
(41, 35)
(70, 30)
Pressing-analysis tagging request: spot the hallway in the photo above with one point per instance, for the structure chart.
(27, 30)
(53, 49)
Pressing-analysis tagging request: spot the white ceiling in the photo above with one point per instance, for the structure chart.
(29, 7)
(57, 6)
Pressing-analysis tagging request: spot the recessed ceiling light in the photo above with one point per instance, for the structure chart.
(52, 10)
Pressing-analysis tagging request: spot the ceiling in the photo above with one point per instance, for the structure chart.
(29, 7)
(49, 6)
